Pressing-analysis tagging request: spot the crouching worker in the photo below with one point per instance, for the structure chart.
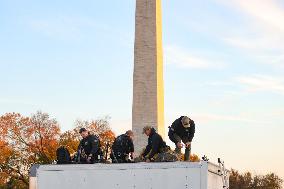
(89, 149)
(63, 155)
(155, 146)
(122, 148)
(182, 130)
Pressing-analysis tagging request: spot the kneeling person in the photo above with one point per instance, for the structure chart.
(89, 149)
(122, 148)
(155, 145)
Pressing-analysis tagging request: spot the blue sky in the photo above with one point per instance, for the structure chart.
(223, 64)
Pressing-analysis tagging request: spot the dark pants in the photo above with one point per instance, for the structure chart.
(96, 158)
(187, 149)
(85, 161)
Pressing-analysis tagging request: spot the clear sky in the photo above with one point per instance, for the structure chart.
(224, 67)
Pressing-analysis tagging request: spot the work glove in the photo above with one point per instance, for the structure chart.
(131, 155)
(89, 159)
(187, 144)
(179, 145)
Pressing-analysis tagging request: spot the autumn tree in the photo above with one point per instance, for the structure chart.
(70, 140)
(15, 141)
(46, 133)
(25, 141)
(107, 138)
(99, 127)
(248, 181)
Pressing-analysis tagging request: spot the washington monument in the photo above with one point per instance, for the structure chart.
(148, 84)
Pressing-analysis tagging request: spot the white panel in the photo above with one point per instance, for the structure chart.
(121, 179)
(178, 175)
(214, 181)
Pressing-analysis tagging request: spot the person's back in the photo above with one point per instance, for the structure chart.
(63, 155)
(156, 140)
(182, 131)
(122, 146)
(121, 143)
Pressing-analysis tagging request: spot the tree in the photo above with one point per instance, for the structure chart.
(99, 127)
(70, 140)
(107, 138)
(15, 141)
(46, 133)
(247, 181)
(25, 141)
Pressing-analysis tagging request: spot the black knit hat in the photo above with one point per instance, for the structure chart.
(82, 130)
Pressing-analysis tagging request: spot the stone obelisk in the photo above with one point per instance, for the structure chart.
(148, 84)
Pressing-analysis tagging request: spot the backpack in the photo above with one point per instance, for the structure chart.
(63, 155)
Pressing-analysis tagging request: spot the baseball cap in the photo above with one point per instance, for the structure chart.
(185, 121)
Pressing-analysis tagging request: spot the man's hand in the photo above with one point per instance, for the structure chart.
(179, 145)
(89, 159)
(148, 160)
(131, 155)
(187, 145)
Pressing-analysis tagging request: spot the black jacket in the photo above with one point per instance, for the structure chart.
(155, 144)
(177, 128)
(90, 145)
(123, 144)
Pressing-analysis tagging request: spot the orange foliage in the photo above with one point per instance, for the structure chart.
(107, 138)
(99, 127)
(25, 141)
(5, 152)
(70, 140)
(46, 133)
(194, 158)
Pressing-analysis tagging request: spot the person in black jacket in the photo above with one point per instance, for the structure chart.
(182, 129)
(89, 149)
(155, 145)
(123, 147)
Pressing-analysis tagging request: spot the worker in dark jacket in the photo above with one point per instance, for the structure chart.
(89, 149)
(123, 147)
(182, 130)
(155, 144)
